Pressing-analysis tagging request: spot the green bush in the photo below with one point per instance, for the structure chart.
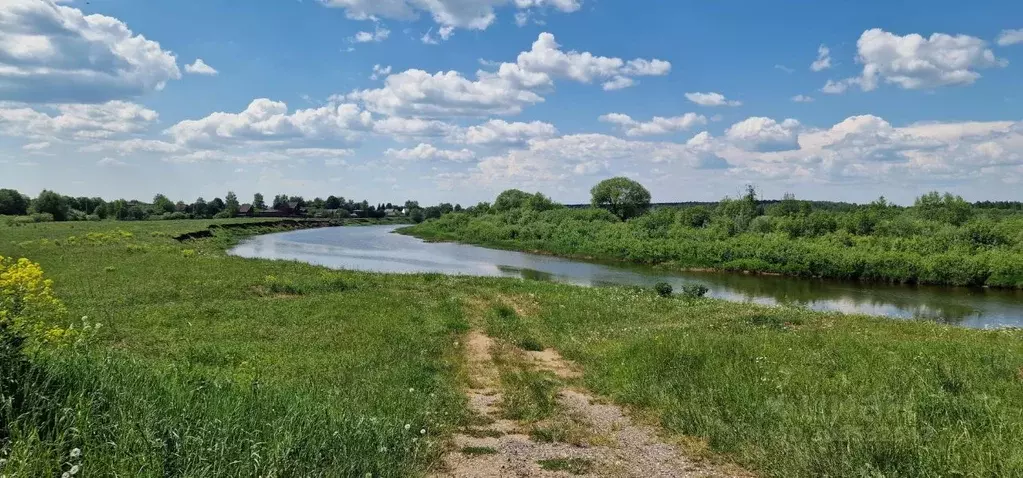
(694, 291)
(663, 289)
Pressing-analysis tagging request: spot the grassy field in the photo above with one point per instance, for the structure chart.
(211, 365)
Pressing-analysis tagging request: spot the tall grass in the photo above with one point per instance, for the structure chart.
(209, 365)
(789, 392)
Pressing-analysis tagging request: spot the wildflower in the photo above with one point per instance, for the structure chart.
(66, 475)
(407, 426)
(74, 470)
(383, 449)
(77, 452)
(410, 390)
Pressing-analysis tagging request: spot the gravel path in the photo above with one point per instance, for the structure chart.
(503, 448)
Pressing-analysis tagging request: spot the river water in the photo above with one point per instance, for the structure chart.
(378, 249)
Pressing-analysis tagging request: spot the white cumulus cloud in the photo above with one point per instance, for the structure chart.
(508, 90)
(429, 152)
(823, 61)
(266, 120)
(711, 99)
(762, 134)
(200, 67)
(497, 132)
(51, 53)
(657, 125)
(378, 34)
(914, 62)
(1010, 37)
(469, 14)
(76, 121)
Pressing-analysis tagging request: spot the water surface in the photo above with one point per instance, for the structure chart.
(378, 249)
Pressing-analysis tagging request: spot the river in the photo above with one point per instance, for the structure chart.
(378, 249)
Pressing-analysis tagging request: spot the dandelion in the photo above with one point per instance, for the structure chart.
(77, 452)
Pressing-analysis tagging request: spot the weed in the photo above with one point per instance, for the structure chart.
(575, 466)
(696, 291)
(531, 344)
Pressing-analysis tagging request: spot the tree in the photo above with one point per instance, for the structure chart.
(13, 203)
(215, 206)
(161, 204)
(510, 199)
(621, 196)
(199, 208)
(948, 208)
(539, 203)
(417, 215)
(280, 200)
(52, 203)
(231, 205)
(257, 201)
(332, 202)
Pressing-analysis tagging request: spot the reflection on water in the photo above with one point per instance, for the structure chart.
(375, 248)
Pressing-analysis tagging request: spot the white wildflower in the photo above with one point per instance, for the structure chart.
(74, 470)
(422, 431)
(77, 452)
(66, 475)
(407, 426)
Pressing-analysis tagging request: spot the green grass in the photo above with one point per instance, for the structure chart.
(574, 466)
(200, 373)
(203, 370)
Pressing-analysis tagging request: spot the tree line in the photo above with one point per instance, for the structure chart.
(52, 206)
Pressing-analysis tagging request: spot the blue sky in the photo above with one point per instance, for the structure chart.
(827, 100)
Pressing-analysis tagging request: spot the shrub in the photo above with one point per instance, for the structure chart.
(696, 291)
(663, 289)
(531, 344)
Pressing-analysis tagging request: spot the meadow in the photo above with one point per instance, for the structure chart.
(212, 365)
(940, 240)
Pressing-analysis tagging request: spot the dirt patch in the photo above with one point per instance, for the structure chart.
(524, 305)
(586, 438)
(550, 360)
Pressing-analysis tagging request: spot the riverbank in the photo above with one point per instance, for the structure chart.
(255, 227)
(215, 365)
(985, 253)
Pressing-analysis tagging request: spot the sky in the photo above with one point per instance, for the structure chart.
(457, 100)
